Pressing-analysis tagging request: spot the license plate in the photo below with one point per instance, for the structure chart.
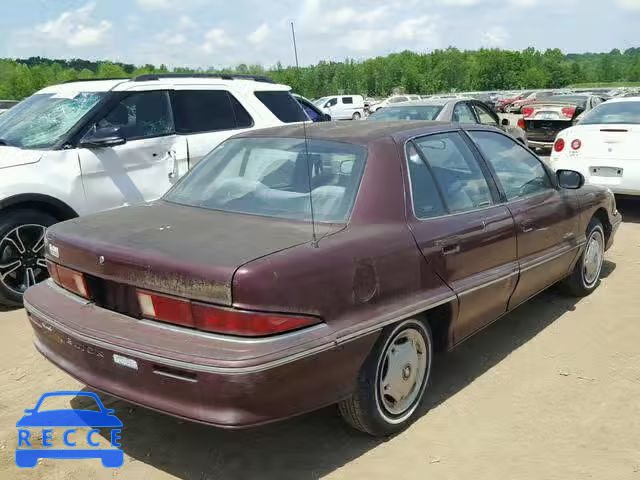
(547, 116)
(125, 361)
(607, 171)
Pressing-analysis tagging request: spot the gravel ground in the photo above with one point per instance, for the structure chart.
(548, 392)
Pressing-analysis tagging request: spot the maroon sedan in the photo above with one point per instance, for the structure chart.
(224, 303)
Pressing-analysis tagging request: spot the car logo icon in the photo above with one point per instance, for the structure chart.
(70, 419)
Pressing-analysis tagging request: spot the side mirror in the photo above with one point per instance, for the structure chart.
(326, 117)
(570, 179)
(103, 137)
(505, 122)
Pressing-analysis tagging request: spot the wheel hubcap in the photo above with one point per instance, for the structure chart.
(593, 258)
(22, 261)
(403, 370)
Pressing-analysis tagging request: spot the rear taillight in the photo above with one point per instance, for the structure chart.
(69, 279)
(559, 145)
(216, 319)
(527, 111)
(522, 124)
(576, 144)
(569, 112)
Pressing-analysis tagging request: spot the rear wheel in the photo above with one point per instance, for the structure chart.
(392, 382)
(586, 274)
(22, 261)
(356, 116)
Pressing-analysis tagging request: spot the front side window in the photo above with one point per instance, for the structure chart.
(43, 119)
(141, 115)
(520, 173)
(198, 111)
(275, 177)
(332, 102)
(282, 104)
(485, 117)
(457, 172)
(463, 114)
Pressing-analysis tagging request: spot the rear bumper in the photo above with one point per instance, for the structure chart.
(203, 390)
(540, 143)
(627, 184)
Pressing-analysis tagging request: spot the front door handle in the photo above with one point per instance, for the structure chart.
(448, 246)
(526, 228)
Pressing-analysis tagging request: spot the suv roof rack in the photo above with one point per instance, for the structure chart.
(223, 76)
(96, 79)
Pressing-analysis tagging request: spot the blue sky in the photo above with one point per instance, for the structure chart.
(220, 33)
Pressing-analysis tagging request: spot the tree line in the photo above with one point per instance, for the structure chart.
(448, 70)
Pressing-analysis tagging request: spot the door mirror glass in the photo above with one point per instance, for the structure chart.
(103, 137)
(505, 122)
(326, 117)
(570, 179)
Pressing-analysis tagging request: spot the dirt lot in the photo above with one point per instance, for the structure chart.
(548, 392)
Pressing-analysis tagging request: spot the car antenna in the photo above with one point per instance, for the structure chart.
(314, 239)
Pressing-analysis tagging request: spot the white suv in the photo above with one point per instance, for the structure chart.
(86, 146)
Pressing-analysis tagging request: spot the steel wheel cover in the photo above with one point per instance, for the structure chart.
(593, 258)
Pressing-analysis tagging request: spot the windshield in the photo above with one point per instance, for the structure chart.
(42, 119)
(423, 112)
(272, 177)
(616, 112)
(321, 101)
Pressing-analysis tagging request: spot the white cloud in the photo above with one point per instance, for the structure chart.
(216, 38)
(494, 37)
(629, 4)
(185, 22)
(419, 33)
(154, 4)
(259, 35)
(74, 28)
(178, 39)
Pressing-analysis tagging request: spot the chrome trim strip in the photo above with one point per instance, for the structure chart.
(489, 283)
(539, 263)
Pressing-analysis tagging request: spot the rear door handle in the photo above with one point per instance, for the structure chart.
(526, 228)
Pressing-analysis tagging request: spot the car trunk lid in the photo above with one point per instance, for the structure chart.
(179, 250)
(617, 142)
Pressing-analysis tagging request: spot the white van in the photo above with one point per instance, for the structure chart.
(87, 146)
(342, 107)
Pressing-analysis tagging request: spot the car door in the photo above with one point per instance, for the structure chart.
(466, 236)
(143, 168)
(205, 116)
(546, 218)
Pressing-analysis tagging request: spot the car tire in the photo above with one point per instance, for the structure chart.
(21, 240)
(400, 365)
(586, 274)
(356, 116)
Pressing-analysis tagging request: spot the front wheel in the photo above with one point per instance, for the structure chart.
(586, 274)
(356, 116)
(22, 261)
(392, 381)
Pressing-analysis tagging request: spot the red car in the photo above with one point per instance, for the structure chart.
(224, 303)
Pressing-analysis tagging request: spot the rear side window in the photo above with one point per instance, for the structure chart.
(457, 172)
(347, 100)
(198, 111)
(427, 202)
(283, 106)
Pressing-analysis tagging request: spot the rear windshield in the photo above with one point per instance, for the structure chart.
(424, 112)
(273, 177)
(283, 106)
(615, 112)
(579, 100)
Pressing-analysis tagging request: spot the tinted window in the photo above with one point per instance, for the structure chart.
(520, 173)
(427, 202)
(614, 112)
(578, 100)
(456, 171)
(485, 117)
(310, 110)
(273, 176)
(332, 102)
(414, 112)
(283, 106)
(198, 111)
(347, 100)
(463, 114)
(141, 115)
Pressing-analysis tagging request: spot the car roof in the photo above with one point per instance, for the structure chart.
(361, 132)
(162, 82)
(624, 99)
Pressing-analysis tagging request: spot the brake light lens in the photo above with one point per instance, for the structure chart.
(527, 111)
(216, 319)
(576, 144)
(559, 145)
(569, 112)
(69, 279)
(522, 124)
